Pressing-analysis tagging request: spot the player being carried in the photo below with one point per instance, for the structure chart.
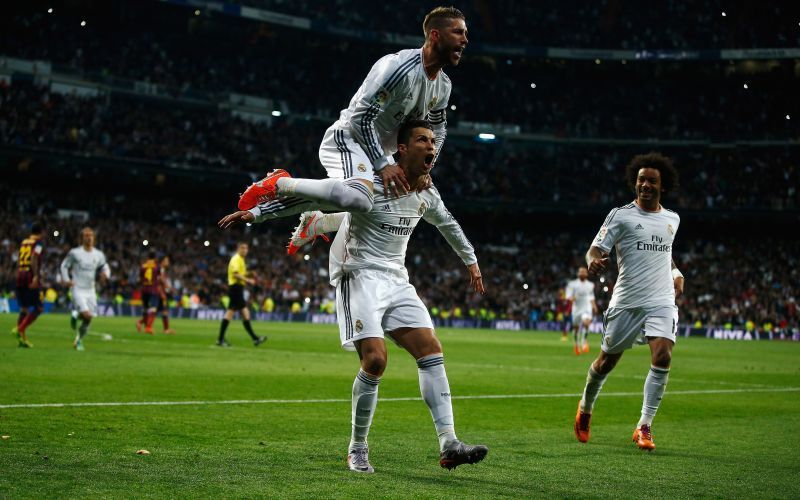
(580, 293)
(79, 271)
(409, 84)
(642, 306)
(374, 297)
(29, 280)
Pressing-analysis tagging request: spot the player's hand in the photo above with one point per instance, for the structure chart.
(68, 284)
(394, 180)
(678, 283)
(35, 282)
(598, 266)
(475, 278)
(425, 182)
(236, 218)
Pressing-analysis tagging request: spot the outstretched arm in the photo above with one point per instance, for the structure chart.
(596, 260)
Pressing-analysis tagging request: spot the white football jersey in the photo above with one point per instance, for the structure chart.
(582, 294)
(395, 90)
(643, 241)
(378, 239)
(82, 266)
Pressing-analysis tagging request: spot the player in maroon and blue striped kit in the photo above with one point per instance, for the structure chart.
(149, 277)
(29, 283)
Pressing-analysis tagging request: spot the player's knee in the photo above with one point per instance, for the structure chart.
(353, 198)
(662, 358)
(374, 364)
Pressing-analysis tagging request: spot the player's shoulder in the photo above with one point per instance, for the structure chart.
(619, 212)
(431, 196)
(445, 78)
(670, 213)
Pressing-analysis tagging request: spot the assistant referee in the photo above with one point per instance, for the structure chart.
(237, 278)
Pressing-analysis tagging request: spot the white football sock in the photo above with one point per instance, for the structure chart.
(654, 386)
(328, 223)
(349, 196)
(594, 382)
(435, 391)
(365, 399)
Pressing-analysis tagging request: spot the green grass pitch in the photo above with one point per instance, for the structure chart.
(727, 426)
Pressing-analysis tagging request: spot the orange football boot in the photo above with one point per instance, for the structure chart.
(577, 350)
(644, 438)
(582, 421)
(303, 233)
(264, 190)
(586, 347)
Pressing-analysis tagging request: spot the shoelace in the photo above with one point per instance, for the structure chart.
(360, 457)
(584, 422)
(645, 432)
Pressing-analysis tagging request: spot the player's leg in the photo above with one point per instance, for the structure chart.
(372, 354)
(348, 187)
(621, 328)
(660, 329)
(360, 305)
(576, 335)
(245, 312)
(223, 327)
(143, 320)
(163, 309)
(586, 321)
(409, 323)
(34, 307)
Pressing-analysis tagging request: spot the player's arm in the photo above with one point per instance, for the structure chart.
(597, 256)
(438, 120)
(385, 81)
(66, 264)
(105, 271)
(596, 260)
(438, 215)
(677, 279)
(35, 260)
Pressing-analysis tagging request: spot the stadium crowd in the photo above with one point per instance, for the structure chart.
(707, 100)
(524, 281)
(130, 128)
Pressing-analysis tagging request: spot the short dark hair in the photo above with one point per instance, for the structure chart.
(404, 134)
(36, 228)
(438, 18)
(669, 176)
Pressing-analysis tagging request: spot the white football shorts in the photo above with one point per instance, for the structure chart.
(343, 157)
(624, 327)
(369, 303)
(85, 301)
(579, 315)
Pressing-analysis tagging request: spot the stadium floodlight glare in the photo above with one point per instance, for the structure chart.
(306, 257)
(524, 286)
(605, 288)
(55, 234)
(83, 23)
(206, 243)
(453, 107)
(724, 14)
(597, 61)
(602, 279)
(276, 113)
(533, 85)
(788, 117)
(483, 136)
(50, 10)
(307, 300)
(145, 243)
(745, 86)
(197, 12)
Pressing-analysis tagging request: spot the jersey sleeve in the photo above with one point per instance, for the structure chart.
(438, 120)
(103, 266)
(609, 232)
(38, 247)
(385, 81)
(66, 264)
(570, 291)
(438, 215)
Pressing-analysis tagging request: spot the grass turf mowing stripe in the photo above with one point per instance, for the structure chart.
(386, 400)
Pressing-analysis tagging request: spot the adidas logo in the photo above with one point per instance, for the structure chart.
(385, 208)
(638, 226)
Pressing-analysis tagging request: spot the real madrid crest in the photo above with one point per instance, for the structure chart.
(670, 230)
(381, 97)
(433, 102)
(359, 325)
(422, 208)
(361, 167)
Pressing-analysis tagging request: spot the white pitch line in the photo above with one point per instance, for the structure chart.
(386, 400)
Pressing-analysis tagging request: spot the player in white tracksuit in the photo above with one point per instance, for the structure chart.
(580, 293)
(407, 85)
(79, 271)
(642, 306)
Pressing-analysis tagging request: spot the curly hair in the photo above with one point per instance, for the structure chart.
(669, 176)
